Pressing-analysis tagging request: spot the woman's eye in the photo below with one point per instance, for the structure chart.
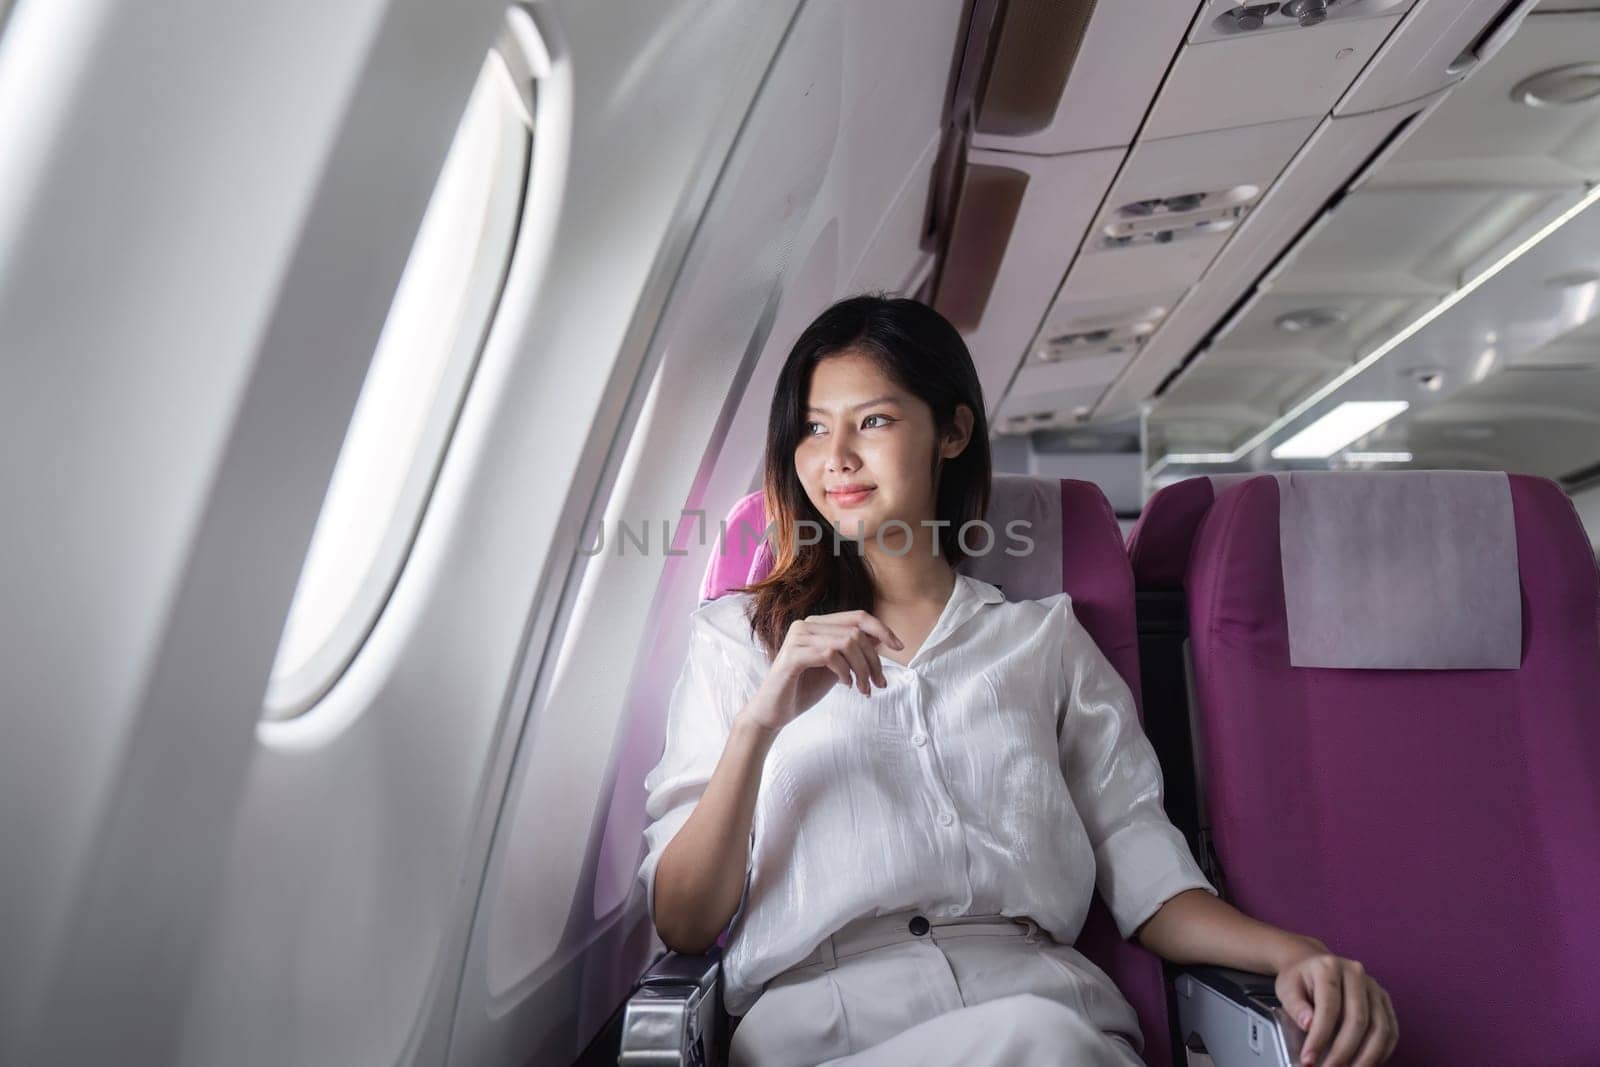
(808, 426)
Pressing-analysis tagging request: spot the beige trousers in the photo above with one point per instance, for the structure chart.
(907, 988)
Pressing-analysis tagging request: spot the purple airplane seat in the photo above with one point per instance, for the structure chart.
(1091, 566)
(1397, 701)
(1158, 550)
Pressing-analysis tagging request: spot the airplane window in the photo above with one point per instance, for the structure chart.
(425, 354)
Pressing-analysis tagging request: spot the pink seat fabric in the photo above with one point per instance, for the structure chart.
(1441, 826)
(1093, 567)
(1161, 538)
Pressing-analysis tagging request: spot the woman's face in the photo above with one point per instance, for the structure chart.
(863, 429)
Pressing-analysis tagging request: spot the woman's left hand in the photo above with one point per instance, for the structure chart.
(1332, 997)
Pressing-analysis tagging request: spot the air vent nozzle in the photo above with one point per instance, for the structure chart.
(1239, 18)
(1161, 219)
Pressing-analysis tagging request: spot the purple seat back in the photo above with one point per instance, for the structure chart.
(1093, 568)
(1441, 826)
(1159, 543)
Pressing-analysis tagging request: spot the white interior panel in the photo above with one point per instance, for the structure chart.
(1204, 162)
(165, 236)
(1403, 242)
(1430, 50)
(1035, 379)
(1200, 163)
(1543, 422)
(340, 925)
(1256, 78)
(1061, 197)
(1333, 153)
(1110, 272)
(1119, 66)
(1363, 321)
(1220, 19)
(1049, 407)
(1481, 136)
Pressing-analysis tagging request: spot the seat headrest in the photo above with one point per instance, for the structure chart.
(1161, 539)
(1021, 509)
(1399, 570)
(741, 554)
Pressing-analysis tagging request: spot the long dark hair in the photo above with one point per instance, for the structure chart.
(917, 348)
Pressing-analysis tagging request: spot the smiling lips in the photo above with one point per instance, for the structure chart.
(851, 494)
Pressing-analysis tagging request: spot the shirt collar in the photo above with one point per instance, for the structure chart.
(968, 597)
(988, 594)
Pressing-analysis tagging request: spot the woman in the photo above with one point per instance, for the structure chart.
(902, 788)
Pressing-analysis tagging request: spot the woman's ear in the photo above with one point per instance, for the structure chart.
(959, 434)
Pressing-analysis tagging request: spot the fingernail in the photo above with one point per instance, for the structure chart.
(1305, 1018)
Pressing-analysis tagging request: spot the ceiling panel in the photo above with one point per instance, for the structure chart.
(1403, 241)
(1177, 202)
(1120, 60)
(1544, 422)
(1291, 327)
(1480, 135)
(1292, 74)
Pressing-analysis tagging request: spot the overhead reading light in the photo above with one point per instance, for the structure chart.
(1311, 319)
(1308, 12)
(1247, 18)
(1350, 421)
(1253, 16)
(1575, 83)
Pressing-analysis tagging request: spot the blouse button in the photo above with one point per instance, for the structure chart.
(946, 818)
(919, 739)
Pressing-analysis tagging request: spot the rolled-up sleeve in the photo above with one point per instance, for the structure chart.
(1141, 859)
(713, 686)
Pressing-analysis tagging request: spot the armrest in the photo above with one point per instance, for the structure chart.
(674, 1015)
(1235, 1018)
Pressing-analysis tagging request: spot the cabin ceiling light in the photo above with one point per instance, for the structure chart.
(1377, 457)
(1575, 83)
(1348, 422)
(1311, 319)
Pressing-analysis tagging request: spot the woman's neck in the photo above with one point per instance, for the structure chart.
(910, 580)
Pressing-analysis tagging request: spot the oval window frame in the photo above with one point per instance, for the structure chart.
(519, 60)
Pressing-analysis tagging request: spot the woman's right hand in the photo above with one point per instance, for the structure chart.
(819, 652)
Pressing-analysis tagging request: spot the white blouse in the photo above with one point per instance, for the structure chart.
(1002, 771)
